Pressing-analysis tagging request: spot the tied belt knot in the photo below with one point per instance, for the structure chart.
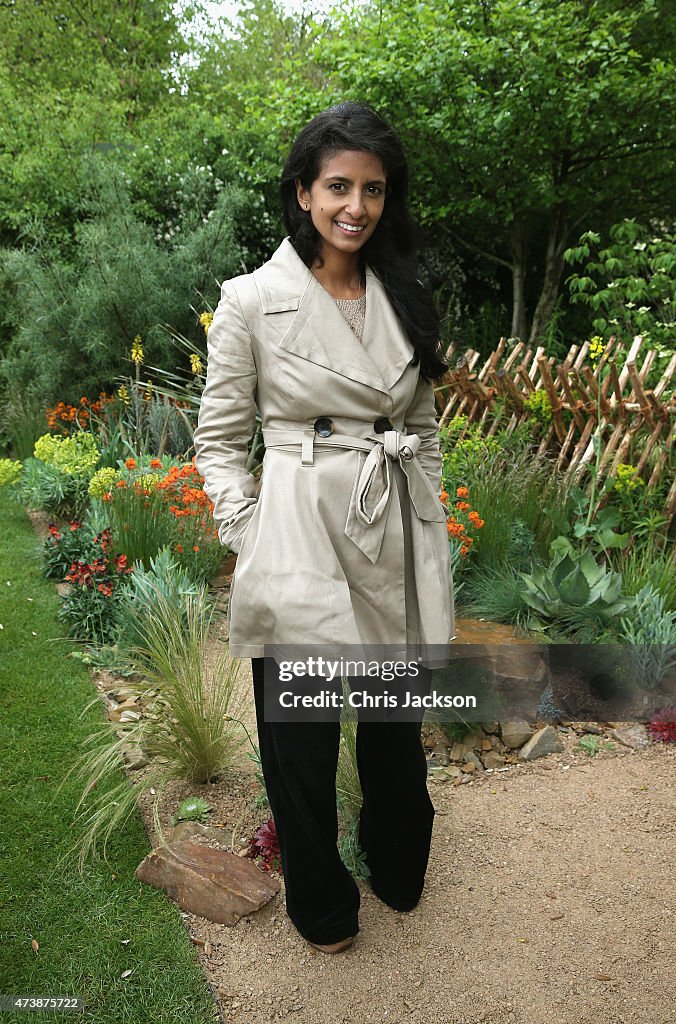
(394, 445)
(372, 486)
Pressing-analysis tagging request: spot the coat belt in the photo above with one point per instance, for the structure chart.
(372, 488)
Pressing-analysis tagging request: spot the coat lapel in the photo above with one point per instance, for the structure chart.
(319, 331)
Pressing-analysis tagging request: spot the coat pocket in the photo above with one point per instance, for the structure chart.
(426, 501)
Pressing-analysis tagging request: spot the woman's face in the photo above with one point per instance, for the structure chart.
(346, 200)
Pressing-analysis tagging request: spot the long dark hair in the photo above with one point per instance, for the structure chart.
(392, 248)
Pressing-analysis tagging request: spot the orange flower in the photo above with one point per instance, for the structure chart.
(156, 464)
(462, 492)
(121, 483)
(179, 548)
(130, 463)
(196, 547)
(462, 506)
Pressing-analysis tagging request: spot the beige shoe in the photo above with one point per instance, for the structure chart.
(334, 947)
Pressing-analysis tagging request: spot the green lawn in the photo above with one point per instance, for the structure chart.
(82, 923)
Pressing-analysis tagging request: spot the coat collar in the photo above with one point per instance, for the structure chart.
(319, 331)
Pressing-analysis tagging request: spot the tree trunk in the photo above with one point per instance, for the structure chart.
(556, 246)
(518, 248)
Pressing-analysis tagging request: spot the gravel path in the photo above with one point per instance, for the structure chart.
(549, 900)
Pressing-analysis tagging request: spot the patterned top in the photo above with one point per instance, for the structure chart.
(354, 311)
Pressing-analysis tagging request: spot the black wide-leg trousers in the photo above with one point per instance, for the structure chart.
(299, 761)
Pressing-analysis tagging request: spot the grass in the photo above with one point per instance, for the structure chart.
(90, 928)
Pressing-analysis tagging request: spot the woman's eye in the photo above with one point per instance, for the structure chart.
(373, 190)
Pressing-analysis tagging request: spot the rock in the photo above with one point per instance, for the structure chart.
(492, 728)
(189, 829)
(135, 757)
(461, 748)
(545, 741)
(472, 759)
(468, 767)
(486, 744)
(632, 735)
(440, 754)
(492, 759)
(214, 884)
(515, 732)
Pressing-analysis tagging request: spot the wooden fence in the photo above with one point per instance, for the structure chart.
(629, 410)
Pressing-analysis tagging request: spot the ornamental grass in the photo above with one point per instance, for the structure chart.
(185, 728)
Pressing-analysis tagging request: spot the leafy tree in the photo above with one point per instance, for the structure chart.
(629, 283)
(75, 76)
(524, 120)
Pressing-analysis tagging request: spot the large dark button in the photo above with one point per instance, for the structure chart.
(323, 426)
(382, 424)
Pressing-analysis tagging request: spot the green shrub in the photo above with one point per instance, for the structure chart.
(117, 281)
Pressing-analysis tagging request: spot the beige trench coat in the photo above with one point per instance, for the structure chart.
(346, 542)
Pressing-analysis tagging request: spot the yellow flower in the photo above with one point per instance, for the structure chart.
(596, 349)
(148, 393)
(195, 363)
(123, 394)
(206, 320)
(136, 350)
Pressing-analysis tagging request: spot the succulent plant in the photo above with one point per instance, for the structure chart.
(575, 587)
(662, 725)
(264, 846)
(194, 808)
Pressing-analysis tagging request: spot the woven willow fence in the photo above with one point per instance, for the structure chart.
(633, 418)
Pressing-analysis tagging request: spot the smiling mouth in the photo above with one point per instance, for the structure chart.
(354, 229)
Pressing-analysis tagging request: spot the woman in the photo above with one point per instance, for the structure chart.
(336, 341)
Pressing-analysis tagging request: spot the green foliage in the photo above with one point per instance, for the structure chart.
(10, 471)
(98, 71)
(164, 580)
(495, 594)
(515, 116)
(629, 285)
(43, 486)
(648, 563)
(75, 455)
(189, 702)
(592, 744)
(459, 457)
(193, 808)
(78, 542)
(349, 794)
(76, 315)
(507, 484)
(90, 606)
(22, 421)
(577, 593)
(651, 631)
(539, 406)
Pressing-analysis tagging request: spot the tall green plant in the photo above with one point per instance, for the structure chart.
(189, 699)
